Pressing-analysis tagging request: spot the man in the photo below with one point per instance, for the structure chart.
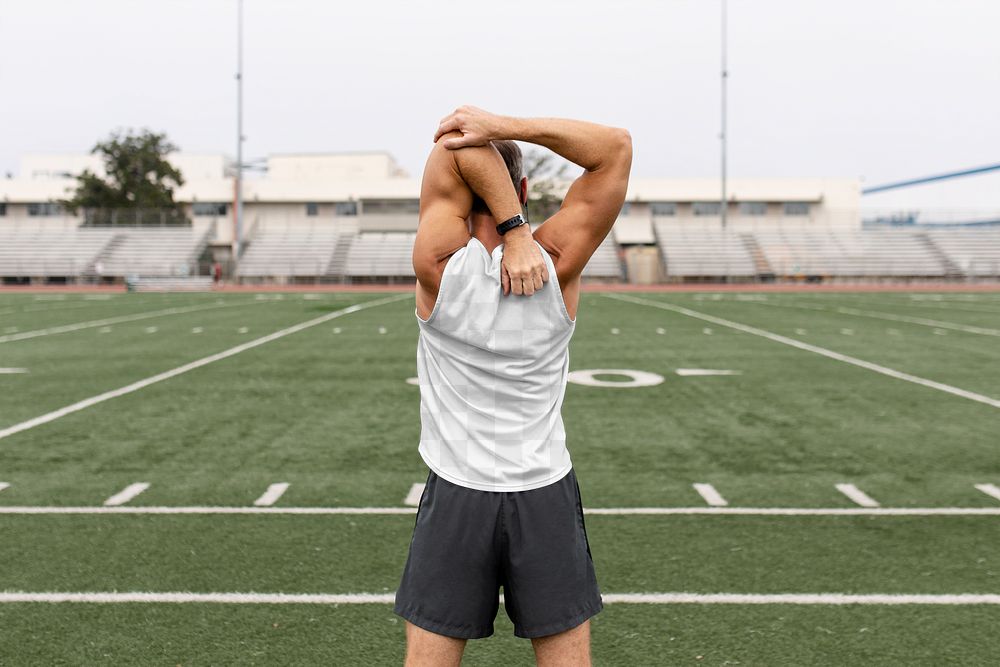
(496, 307)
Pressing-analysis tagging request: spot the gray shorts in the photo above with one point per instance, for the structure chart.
(467, 544)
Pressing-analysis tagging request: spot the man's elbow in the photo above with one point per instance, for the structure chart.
(623, 143)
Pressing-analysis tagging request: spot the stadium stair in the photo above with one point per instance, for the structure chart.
(338, 262)
(761, 265)
(951, 268)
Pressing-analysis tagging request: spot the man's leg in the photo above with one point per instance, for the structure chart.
(425, 648)
(570, 648)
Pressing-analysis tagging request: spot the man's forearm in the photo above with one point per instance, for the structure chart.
(484, 171)
(589, 145)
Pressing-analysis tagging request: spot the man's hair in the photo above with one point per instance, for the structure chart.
(511, 154)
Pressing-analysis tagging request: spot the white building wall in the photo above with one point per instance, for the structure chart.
(279, 197)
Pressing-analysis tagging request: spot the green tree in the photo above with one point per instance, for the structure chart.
(138, 186)
(544, 170)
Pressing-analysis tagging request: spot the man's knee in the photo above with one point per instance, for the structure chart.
(424, 647)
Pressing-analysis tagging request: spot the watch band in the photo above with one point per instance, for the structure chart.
(510, 224)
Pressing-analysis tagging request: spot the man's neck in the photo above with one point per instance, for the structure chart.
(484, 228)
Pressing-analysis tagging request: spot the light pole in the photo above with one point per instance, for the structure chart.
(238, 237)
(724, 204)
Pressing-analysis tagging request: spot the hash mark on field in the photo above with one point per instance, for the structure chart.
(382, 330)
(857, 495)
(711, 496)
(12, 371)
(847, 332)
(990, 490)
(800, 332)
(204, 361)
(413, 497)
(126, 494)
(110, 320)
(693, 372)
(707, 331)
(940, 324)
(4, 485)
(171, 597)
(104, 330)
(197, 330)
(242, 330)
(274, 491)
(815, 349)
(151, 330)
(661, 330)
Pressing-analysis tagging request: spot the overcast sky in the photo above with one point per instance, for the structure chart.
(877, 89)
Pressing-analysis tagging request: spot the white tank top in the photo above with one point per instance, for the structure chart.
(492, 372)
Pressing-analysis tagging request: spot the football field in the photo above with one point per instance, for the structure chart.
(769, 478)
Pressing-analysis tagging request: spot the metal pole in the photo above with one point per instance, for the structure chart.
(722, 134)
(238, 241)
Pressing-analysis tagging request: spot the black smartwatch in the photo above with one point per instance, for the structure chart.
(510, 224)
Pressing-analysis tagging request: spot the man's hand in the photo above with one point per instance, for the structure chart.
(522, 269)
(478, 127)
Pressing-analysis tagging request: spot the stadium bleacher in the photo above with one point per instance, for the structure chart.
(155, 251)
(380, 255)
(849, 253)
(605, 262)
(975, 252)
(688, 251)
(702, 251)
(45, 253)
(289, 253)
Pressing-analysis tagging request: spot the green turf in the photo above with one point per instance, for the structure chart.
(331, 414)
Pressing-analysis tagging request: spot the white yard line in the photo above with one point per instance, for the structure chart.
(413, 497)
(991, 490)
(204, 361)
(274, 491)
(126, 494)
(598, 511)
(711, 496)
(857, 495)
(170, 597)
(830, 354)
(66, 328)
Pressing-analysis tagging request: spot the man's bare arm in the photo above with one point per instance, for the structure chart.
(594, 200)
(450, 179)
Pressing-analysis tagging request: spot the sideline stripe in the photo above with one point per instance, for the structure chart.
(126, 494)
(608, 598)
(413, 497)
(711, 496)
(204, 361)
(884, 370)
(990, 490)
(274, 491)
(857, 495)
(116, 320)
(612, 511)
